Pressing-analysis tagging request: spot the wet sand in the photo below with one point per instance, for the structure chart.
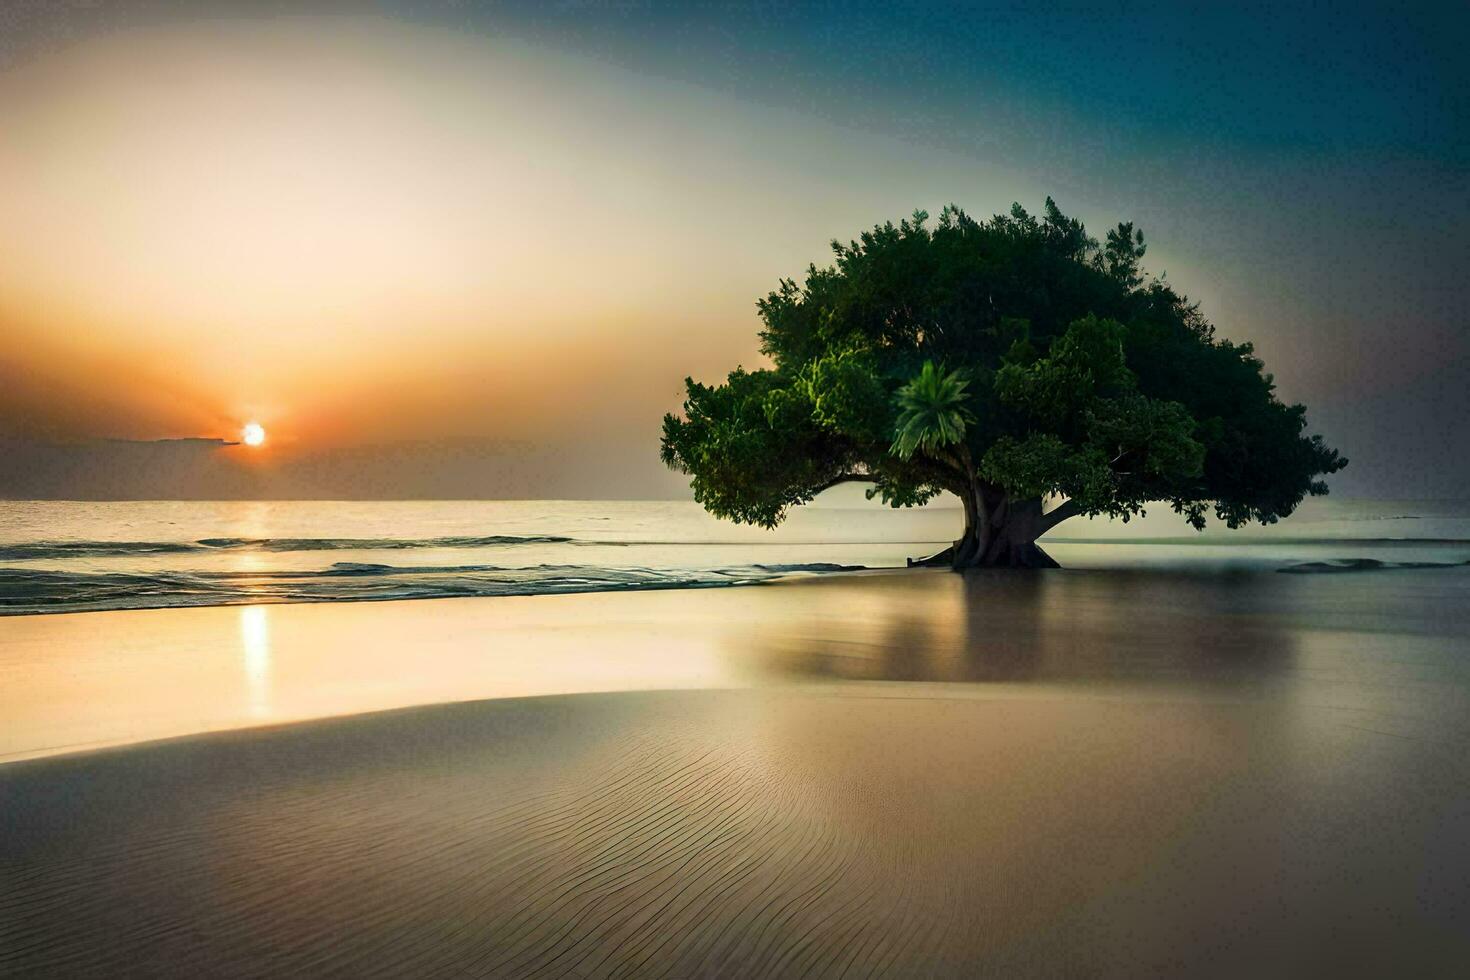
(1079, 773)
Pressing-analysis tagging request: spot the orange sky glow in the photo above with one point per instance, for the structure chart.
(366, 232)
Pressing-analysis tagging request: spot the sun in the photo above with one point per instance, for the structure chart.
(253, 434)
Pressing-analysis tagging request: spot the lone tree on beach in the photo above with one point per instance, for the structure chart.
(1013, 362)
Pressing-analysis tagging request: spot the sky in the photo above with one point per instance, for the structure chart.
(443, 250)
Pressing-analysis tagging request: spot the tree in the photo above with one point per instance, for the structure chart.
(1010, 362)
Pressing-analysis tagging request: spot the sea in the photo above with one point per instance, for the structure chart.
(75, 556)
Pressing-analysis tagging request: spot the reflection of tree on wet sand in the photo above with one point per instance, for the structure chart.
(900, 652)
(996, 626)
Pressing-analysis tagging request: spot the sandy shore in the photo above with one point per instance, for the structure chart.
(887, 775)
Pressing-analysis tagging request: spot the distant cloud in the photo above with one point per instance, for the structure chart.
(182, 441)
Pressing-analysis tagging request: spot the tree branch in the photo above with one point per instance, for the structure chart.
(947, 473)
(845, 478)
(1055, 516)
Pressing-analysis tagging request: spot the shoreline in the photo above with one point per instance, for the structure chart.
(885, 773)
(157, 575)
(73, 681)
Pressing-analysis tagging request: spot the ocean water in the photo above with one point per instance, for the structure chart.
(66, 556)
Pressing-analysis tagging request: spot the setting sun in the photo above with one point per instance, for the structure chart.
(253, 434)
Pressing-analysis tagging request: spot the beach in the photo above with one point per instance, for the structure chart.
(727, 490)
(1124, 773)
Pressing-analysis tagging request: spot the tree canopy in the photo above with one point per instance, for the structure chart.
(1009, 361)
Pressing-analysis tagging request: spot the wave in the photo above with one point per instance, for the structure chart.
(32, 550)
(36, 591)
(59, 550)
(1363, 565)
(1221, 541)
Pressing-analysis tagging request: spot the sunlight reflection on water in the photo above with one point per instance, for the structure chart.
(255, 644)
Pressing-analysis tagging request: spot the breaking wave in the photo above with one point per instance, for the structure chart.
(25, 591)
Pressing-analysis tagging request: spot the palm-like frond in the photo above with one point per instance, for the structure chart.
(931, 411)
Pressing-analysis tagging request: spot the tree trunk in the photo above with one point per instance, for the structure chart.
(1012, 541)
(1000, 536)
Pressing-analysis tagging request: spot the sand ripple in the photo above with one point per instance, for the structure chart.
(698, 834)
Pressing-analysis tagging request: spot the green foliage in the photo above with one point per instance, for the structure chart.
(1064, 372)
(847, 395)
(1039, 464)
(1121, 256)
(751, 446)
(931, 412)
(1083, 364)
